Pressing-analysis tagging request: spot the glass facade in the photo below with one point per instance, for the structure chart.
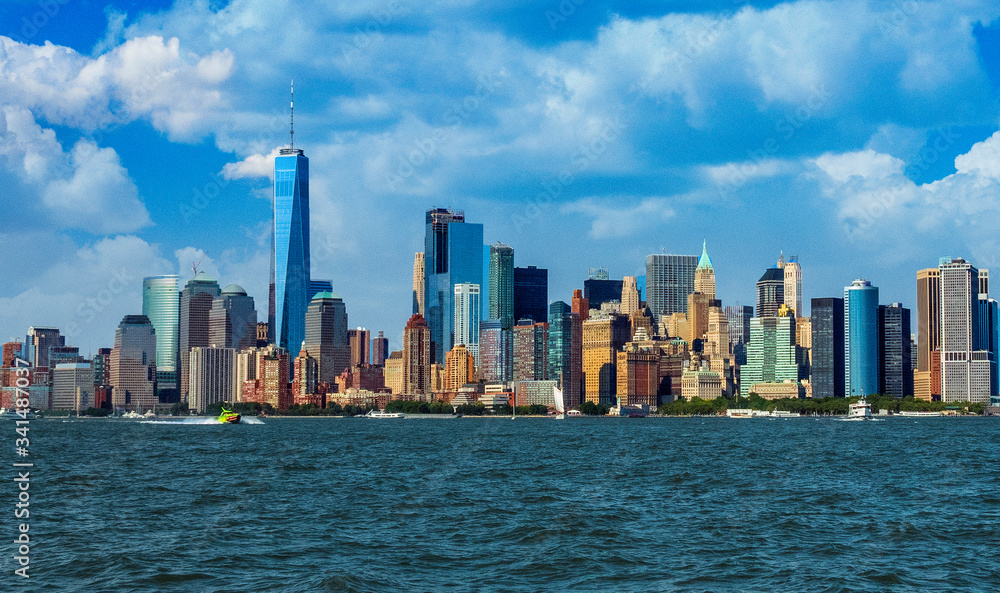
(467, 318)
(895, 359)
(669, 281)
(453, 254)
(501, 284)
(291, 247)
(861, 339)
(161, 303)
(770, 353)
(739, 317)
(531, 294)
(597, 292)
(827, 347)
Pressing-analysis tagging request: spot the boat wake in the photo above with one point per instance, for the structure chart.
(251, 420)
(202, 421)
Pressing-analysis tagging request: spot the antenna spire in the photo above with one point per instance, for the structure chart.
(291, 129)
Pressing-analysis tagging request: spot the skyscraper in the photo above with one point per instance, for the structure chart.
(318, 286)
(232, 321)
(771, 352)
(739, 317)
(161, 303)
(630, 295)
(565, 350)
(501, 274)
(602, 290)
(793, 285)
(453, 254)
(580, 306)
(770, 292)
(291, 246)
(326, 336)
(416, 356)
(196, 305)
(531, 294)
(928, 315)
(531, 350)
(37, 343)
(359, 341)
(72, 386)
(133, 365)
(965, 359)
(895, 359)
(467, 318)
(418, 283)
(828, 374)
(704, 274)
(496, 352)
(380, 349)
(212, 374)
(459, 369)
(669, 281)
(603, 337)
(861, 345)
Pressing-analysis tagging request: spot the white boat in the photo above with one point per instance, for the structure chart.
(919, 414)
(739, 413)
(859, 410)
(381, 414)
(784, 414)
(557, 395)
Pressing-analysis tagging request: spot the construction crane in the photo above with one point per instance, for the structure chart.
(194, 265)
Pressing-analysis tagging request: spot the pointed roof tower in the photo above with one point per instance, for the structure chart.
(705, 263)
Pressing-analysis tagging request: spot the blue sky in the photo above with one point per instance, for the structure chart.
(135, 138)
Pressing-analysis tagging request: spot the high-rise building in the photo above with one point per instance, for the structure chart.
(232, 321)
(195, 309)
(895, 359)
(739, 317)
(828, 372)
(496, 352)
(631, 298)
(305, 376)
(531, 350)
(965, 359)
(861, 345)
(271, 385)
(133, 365)
(380, 349)
(37, 343)
(669, 281)
(102, 367)
(601, 290)
(161, 303)
(453, 254)
(697, 316)
(704, 274)
(565, 351)
(603, 337)
(263, 331)
(61, 354)
(501, 280)
(460, 368)
(72, 386)
(468, 317)
(394, 373)
(416, 356)
(292, 267)
(770, 292)
(531, 294)
(771, 352)
(793, 286)
(359, 341)
(212, 374)
(418, 283)
(928, 316)
(326, 336)
(638, 369)
(580, 306)
(318, 286)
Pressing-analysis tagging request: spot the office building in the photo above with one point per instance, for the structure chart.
(669, 281)
(133, 365)
(965, 358)
(501, 281)
(739, 317)
(418, 283)
(326, 336)
(37, 343)
(417, 357)
(380, 349)
(928, 316)
(318, 286)
(793, 286)
(232, 321)
(603, 336)
(460, 368)
(453, 254)
(531, 294)
(467, 317)
(565, 351)
(290, 261)
(631, 298)
(212, 374)
(861, 339)
(771, 354)
(359, 342)
(704, 274)
(770, 292)
(194, 330)
(72, 386)
(531, 350)
(697, 317)
(394, 374)
(638, 368)
(161, 303)
(496, 352)
(828, 369)
(599, 291)
(895, 358)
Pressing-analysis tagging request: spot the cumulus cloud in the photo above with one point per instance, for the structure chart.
(622, 216)
(255, 165)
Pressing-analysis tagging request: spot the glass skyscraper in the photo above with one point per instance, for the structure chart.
(861, 345)
(161, 303)
(827, 347)
(292, 284)
(501, 284)
(194, 328)
(467, 318)
(895, 358)
(669, 281)
(453, 254)
(531, 294)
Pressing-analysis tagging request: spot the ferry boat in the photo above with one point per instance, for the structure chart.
(381, 414)
(859, 410)
(920, 414)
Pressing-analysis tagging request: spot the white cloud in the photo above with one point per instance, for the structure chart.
(255, 165)
(622, 216)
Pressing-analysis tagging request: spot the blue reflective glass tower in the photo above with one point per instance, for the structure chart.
(291, 247)
(453, 254)
(861, 340)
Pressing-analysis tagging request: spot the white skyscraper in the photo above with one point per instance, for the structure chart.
(211, 376)
(965, 358)
(793, 285)
(467, 315)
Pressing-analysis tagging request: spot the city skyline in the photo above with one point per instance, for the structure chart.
(166, 180)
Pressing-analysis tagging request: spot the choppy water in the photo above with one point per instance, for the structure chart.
(532, 505)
